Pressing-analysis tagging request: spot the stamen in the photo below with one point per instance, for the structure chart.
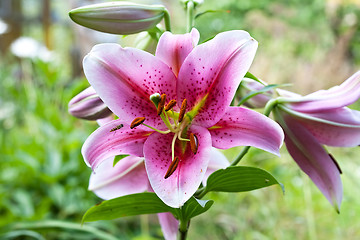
(336, 163)
(170, 105)
(173, 165)
(116, 128)
(182, 110)
(161, 104)
(193, 143)
(136, 122)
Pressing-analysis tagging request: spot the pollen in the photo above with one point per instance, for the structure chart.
(173, 165)
(170, 105)
(136, 122)
(161, 104)
(182, 110)
(193, 143)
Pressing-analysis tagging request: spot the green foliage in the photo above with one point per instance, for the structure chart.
(129, 205)
(239, 179)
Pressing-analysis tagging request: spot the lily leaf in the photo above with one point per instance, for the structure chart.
(240, 179)
(192, 208)
(118, 158)
(129, 205)
(252, 76)
(262, 90)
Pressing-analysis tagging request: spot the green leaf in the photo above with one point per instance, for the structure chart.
(118, 158)
(129, 205)
(262, 90)
(211, 11)
(252, 76)
(239, 179)
(192, 208)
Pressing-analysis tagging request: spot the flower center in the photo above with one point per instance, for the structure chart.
(176, 122)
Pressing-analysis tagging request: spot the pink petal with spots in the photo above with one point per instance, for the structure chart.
(169, 225)
(182, 184)
(212, 72)
(339, 96)
(125, 78)
(128, 176)
(217, 161)
(244, 127)
(313, 160)
(104, 143)
(172, 49)
(341, 128)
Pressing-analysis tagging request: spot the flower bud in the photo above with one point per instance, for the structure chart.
(87, 105)
(258, 101)
(118, 17)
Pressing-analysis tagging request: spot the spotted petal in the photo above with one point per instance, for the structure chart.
(172, 49)
(312, 159)
(212, 72)
(182, 184)
(128, 176)
(244, 127)
(124, 79)
(105, 143)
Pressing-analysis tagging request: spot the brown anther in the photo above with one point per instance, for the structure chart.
(116, 128)
(193, 143)
(173, 165)
(182, 110)
(170, 105)
(336, 163)
(136, 122)
(161, 104)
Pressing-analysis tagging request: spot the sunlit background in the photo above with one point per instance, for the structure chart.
(312, 44)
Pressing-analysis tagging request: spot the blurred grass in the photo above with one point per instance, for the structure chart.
(44, 179)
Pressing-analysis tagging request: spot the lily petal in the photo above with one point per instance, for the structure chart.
(124, 78)
(169, 225)
(339, 96)
(312, 159)
(212, 72)
(338, 127)
(128, 176)
(243, 127)
(106, 142)
(217, 161)
(173, 49)
(182, 184)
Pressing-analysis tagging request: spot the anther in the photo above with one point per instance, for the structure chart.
(193, 143)
(170, 105)
(116, 128)
(136, 122)
(336, 163)
(161, 104)
(182, 110)
(173, 165)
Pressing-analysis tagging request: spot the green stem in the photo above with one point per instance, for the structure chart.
(243, 152)
(183, 229)
(190, 15)
(167, 21)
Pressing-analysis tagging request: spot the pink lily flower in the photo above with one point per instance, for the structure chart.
(129, 176)
(317, 119)
(196, 84)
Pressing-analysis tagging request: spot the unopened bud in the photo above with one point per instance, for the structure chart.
(118, 17)
(251, 86)
(87, 105)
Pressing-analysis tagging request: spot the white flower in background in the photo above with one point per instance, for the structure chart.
(26, 47)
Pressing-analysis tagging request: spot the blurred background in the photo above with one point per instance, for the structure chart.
(312, 44)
